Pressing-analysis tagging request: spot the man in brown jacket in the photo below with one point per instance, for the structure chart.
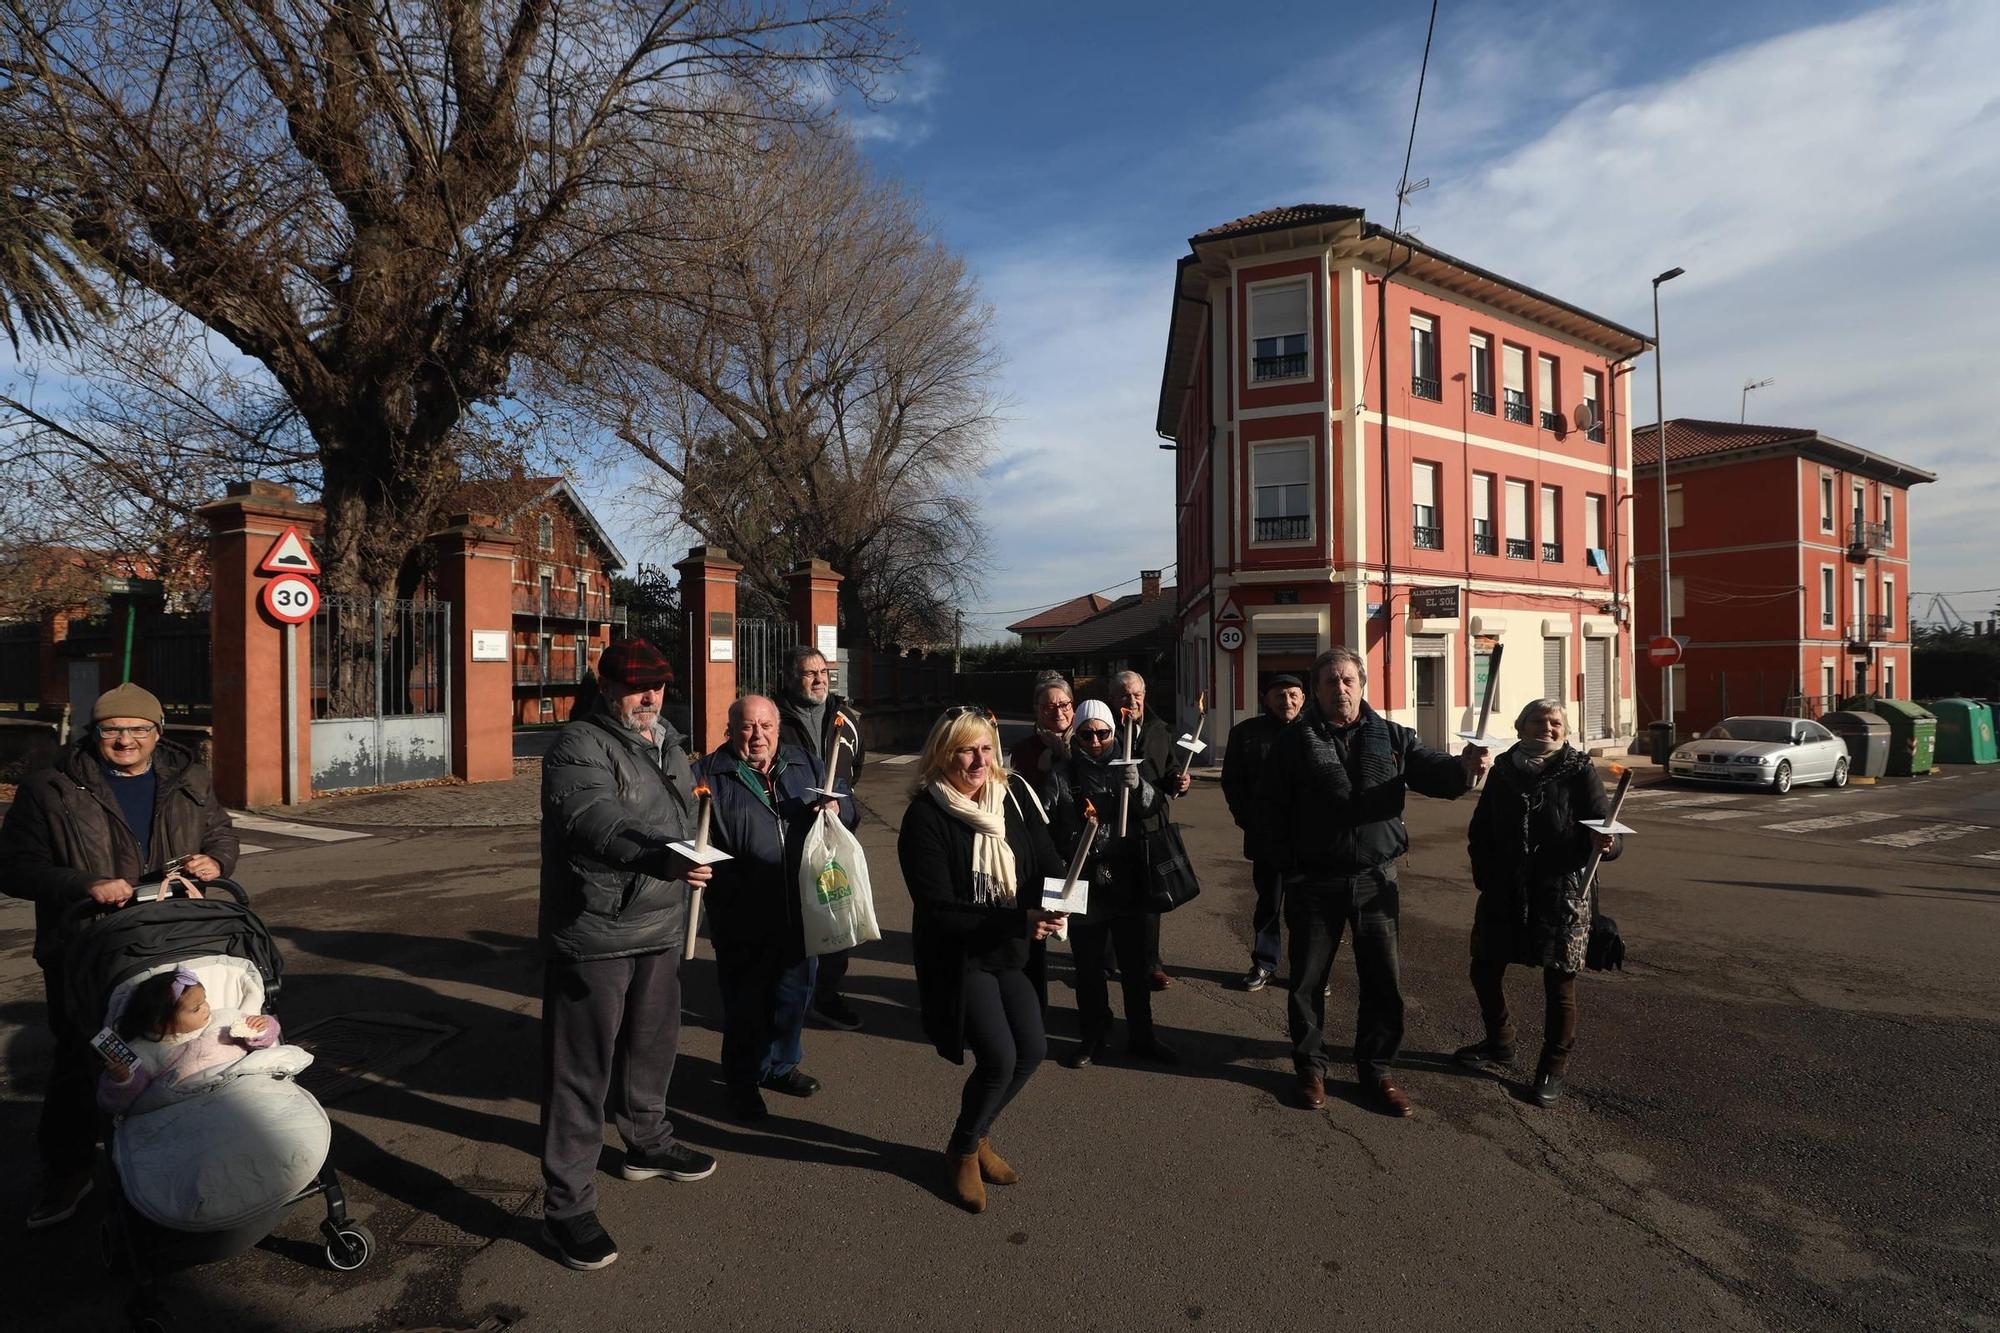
(117, 806)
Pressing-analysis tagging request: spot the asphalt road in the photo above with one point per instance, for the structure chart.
(1780, 1115)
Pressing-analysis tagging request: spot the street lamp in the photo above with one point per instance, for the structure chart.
(1666, 562)
(1743, 412)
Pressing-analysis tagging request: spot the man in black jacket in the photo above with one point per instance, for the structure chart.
(118, 805)
(616, 792)
(813, 718)
(763, 807)
(1249, 741)
(1330, 808)
(1160, 766)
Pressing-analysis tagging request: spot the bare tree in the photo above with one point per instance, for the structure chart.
(385, 206)
(829, 394)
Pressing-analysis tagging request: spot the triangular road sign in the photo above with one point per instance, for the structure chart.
(1228, 611)
(289, 555)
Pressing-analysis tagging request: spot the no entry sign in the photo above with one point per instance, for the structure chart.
(291, 598)
(1663, 650)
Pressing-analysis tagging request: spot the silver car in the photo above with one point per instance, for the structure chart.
(1772, 752)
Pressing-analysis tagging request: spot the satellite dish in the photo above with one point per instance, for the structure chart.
(1586, 420)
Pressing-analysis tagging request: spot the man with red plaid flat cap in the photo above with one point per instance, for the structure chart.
(617, 790)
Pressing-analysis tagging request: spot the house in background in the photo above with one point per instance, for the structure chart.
(1790, 569)
(1044, 626)
(1133, 633)
(563, 613)
(1381, 446)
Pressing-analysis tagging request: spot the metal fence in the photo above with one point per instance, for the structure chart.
(380, 687)
(763, 655)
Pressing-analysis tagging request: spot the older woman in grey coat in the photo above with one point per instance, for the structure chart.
(1529, 852)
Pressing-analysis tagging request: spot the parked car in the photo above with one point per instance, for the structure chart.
(1772, 752)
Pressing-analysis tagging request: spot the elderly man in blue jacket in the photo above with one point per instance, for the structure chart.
(762, 808)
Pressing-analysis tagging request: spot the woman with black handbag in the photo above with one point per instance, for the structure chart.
(974, 850)
(1119, 886)
(1530, 856)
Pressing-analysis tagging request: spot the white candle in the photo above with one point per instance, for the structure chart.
(702, 800)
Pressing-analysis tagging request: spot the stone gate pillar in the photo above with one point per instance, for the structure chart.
(247, 649)
(815, 608)
(708, 600)
(475, 575)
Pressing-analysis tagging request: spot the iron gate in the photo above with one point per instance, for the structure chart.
(380, 685)
(763, 654)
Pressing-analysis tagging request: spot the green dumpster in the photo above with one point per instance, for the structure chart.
(1912, 732)
(1964, 732)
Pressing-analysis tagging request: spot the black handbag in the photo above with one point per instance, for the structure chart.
(1606, 947)
(1170, 878)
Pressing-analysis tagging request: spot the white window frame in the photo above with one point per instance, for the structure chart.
(545, 532)
(1426, 476)
(1525, 515)
(1480, 377)
(1829, 679)
(1424, 335)
(1889, 601)
(1888, 678)
(1250, 295)
(1551, 519)
(1593, 394)
(1482, 511)
(1593, 522)
(1857, 587)
(1826, 502)
(1264, 448)
(1548, 380)
(1829, 598)
(1860, 510)
(1513, 357)
(1888, 515)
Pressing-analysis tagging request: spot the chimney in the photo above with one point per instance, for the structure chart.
(1149, 584)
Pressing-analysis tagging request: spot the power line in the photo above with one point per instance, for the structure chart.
(1095, 592)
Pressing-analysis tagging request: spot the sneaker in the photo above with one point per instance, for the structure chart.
(835, 1012)
(676, 1161)
(1548, 1088)
(1256, 978)
(580, 1242)
(59, 1198)
(793, 1083)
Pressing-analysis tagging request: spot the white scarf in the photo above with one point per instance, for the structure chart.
(1534, 756)
(992, 858)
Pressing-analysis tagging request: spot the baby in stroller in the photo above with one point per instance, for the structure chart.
(178, 1042)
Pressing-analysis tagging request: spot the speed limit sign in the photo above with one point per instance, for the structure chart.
(1229, 638)
(291, 598)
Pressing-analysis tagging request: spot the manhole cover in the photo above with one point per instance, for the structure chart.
(351, 1049)
(470, 1218)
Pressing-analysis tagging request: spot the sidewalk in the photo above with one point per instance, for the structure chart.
(445, 805)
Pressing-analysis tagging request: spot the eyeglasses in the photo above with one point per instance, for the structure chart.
(960, 710)
(140, 732)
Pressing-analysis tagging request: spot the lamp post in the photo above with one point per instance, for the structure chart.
(1666, 561)
(1743, 412)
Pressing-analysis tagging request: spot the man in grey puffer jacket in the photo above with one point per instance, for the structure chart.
(616, 792)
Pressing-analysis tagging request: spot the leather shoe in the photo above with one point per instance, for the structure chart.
(1160, 979)
(1312, 1092)
(1085, 1054)
(1389, 1098)
(1487, 1052)
(1548, 1088)
(793, 1083)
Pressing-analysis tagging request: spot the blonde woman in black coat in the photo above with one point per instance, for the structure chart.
(1529, 851)
(974, 850)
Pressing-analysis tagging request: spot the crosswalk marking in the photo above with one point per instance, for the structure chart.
(1917, 837)
(1711, 815)
(897, 759)
(250, 849)
(1829, 822)
(285, 828)
(1718, 798)
(1987, 856)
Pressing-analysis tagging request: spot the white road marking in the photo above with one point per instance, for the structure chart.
(250, 849)
(897, 759)
(285, 828)
(1830, 821)
(1720, 814)
(1917, 837)
(1718, 798)
(1987, 856)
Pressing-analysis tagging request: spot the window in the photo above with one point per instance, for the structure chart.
(1593, 522)
(1888, 616)
(1888, 518)
(1483, 542)
(545, 539)
(548, 652)
(1593, 398)
(1424, 358)
(1281, 482)
(1426, 532)
(1514, 381)
(1278, 332)
(1826, 683)
(1545, 392)
(548, 582)
(1676, 507)
(1826, 502)
(1857, 608)
(1677, 596)
(1482, 374)
(1827, 597)
(1517, 522)
(1888, 680)
(582, 657)
(1860, 512)
(1552, 550)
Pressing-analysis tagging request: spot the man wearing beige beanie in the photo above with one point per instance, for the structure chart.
(117, 805)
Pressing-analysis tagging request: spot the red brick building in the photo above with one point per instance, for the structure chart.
(562, 588)
(1790, 567)
(1474, 512)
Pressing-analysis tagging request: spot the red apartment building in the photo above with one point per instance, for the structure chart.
(1790, 567)
(1475, 512)
(562, 588)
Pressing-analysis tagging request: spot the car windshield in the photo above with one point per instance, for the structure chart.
(1751, 729)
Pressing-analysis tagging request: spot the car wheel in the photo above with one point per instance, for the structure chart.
(1781, 781)
(1839, 778)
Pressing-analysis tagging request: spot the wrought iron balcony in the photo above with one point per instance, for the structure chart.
(1552, 553)
(1289, 528)
(562, 604)
(1519, 548)
(1552, 421)
(1482, 542)
(1516, 403)
(1866, 538)
(1422, 386)
(1427, 539)
(1289, 366)
(1870, 629)
(1482, 402)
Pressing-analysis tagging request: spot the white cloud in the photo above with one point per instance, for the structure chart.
(900, 115)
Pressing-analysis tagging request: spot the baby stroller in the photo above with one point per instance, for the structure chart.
(206, 1177)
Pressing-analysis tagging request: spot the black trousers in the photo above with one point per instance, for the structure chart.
(1003, 1030)
(1558, 1011)
(1319, 907)
(66, 1136)
(749, 973)
(1151, 925)
(1125, 933)
(1267, 918)
(610, 1032)
(832, 971)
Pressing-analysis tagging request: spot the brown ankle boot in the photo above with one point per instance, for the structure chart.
(994, 1167)
(966, 1186)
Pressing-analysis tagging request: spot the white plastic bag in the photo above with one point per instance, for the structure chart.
(834, 898)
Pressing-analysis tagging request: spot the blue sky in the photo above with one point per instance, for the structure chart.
(1827, 173)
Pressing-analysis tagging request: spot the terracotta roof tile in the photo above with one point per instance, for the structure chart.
(1073, 612)
(1688, 438)
(1130, 621)
(1291, 215)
